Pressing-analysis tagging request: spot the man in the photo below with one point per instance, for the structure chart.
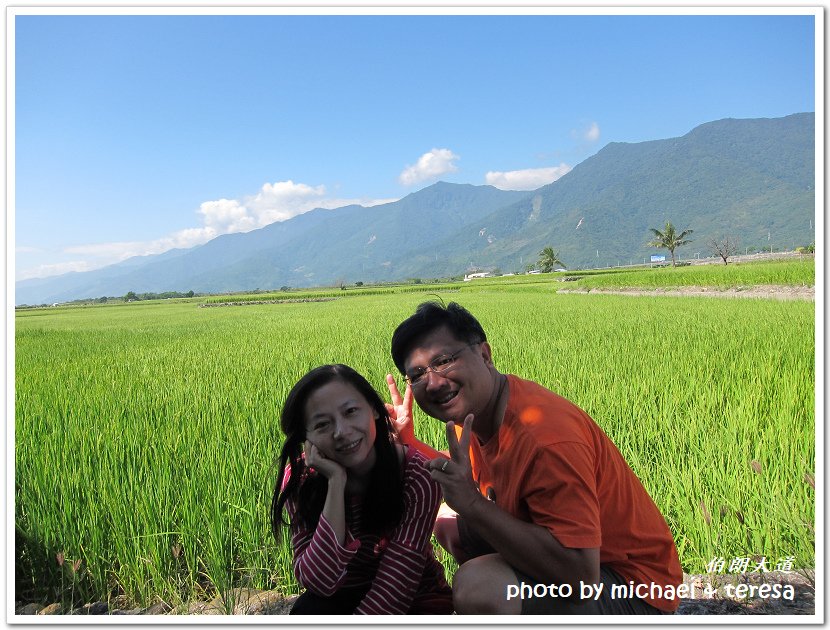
(543, 505)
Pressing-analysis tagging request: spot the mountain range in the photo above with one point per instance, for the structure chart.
(753, 179)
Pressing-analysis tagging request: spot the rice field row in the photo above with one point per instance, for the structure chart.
(295, 295)
(798, 272)
(145, 435)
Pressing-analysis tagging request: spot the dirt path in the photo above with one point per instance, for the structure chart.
(798, 598)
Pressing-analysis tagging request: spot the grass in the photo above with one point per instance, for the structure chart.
(786, 272)
(146, 434)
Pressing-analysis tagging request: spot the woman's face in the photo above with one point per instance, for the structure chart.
(340, 422)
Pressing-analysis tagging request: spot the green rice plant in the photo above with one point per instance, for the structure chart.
(795, 272)
(146, 436)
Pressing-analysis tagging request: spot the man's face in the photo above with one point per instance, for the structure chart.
(465, 387)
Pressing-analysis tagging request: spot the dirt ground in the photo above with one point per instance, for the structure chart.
(800, 601)
(716, 601)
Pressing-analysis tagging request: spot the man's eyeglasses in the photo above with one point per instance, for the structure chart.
(439, 365)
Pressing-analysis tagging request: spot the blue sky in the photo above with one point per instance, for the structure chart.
(135, 134)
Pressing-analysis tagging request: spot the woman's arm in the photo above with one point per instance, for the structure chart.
(334, 508)
(402, 565)
(321, 556)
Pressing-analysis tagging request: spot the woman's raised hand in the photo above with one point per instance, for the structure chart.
(400, 411)
(315, 459)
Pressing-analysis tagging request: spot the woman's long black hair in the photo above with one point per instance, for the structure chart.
(383, 503)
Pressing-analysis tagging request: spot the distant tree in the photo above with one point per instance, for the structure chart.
(102, 299)
(358, 283)
(549, 260)
(189, 294)
(130, 296)
(724, 246)
(530, 267)
(284, 289)
(669, 239)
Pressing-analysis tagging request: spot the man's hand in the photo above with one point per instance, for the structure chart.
(455, 474)
(400, 411)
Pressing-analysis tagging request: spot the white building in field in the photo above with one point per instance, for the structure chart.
(473, 276)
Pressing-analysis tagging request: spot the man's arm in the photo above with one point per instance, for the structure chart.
(532, 549)
(529, 548)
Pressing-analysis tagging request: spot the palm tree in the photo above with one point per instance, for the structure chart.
(549, 260)
(669, 239)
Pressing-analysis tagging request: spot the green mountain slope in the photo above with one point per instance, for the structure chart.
(747, 178)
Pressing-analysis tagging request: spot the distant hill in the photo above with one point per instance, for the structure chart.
(744, 178)
(316, 248)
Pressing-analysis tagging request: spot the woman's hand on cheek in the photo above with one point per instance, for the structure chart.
(315, 459)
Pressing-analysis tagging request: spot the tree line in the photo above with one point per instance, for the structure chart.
(132, 296)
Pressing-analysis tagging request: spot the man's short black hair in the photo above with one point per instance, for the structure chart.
(428, 317)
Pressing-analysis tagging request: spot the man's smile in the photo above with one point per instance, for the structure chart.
(444, 399)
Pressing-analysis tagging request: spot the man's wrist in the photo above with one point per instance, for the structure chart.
(476, 509)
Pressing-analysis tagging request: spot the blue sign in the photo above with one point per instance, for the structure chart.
(657, 258)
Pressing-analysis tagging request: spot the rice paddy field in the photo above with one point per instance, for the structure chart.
(146, 433)
(793, 272)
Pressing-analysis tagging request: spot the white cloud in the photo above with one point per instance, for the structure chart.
(226, 216)
(103, 250)
(279, 201)
(43, 271)
(592, 133)
(433, 164)
(528, 179)
(24, 249)
(589, 134)
(109, 253)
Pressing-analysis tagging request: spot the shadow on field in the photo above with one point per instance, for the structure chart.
(31, 560)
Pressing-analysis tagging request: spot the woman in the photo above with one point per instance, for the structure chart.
(360, 506)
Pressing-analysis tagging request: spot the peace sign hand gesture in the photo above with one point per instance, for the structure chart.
(455, 475)
(400, 411)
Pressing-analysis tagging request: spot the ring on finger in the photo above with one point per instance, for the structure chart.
(444, 465)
